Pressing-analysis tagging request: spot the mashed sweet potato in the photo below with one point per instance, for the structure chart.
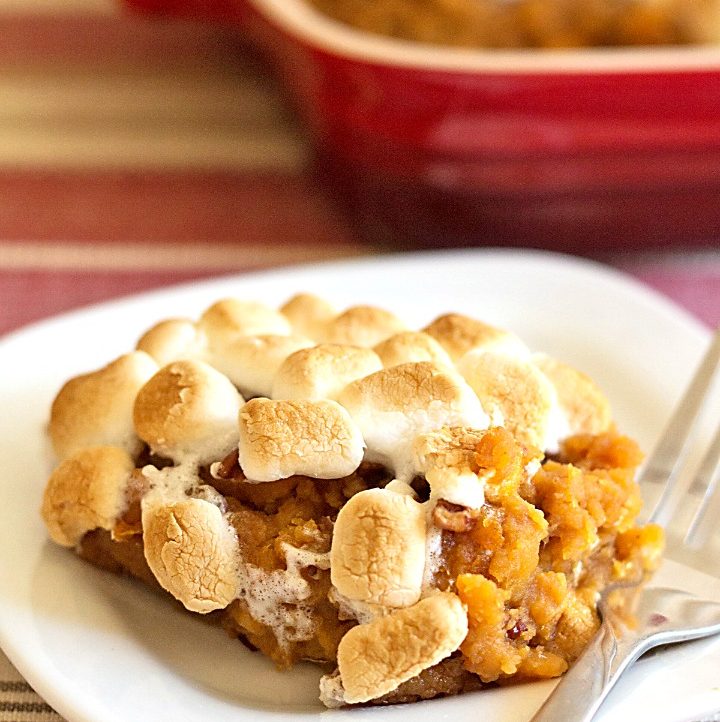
(529, 565)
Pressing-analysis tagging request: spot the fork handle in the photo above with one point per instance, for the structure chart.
(584, 687)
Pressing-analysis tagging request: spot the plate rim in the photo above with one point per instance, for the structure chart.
(43, 679)
(583, 264)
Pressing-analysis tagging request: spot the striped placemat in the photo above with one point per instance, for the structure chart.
(18, 701)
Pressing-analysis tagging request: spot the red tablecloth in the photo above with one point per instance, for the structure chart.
(137, 153)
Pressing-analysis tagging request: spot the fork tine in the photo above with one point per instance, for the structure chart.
(706, 484)
(670, 454)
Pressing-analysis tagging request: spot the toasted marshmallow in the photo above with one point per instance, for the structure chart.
(251, 362)
(458, 486)
(448, 458)
(323, 371)
(458, 334)
(585, 406)
(332, 694)
(188, 410)
(193, 552)
(308, 314)
(411, 346)
(173, 340)
(519, 392)
(376, 658)
(361, 326)
(393, 406)
(450, 447)
(96, 408)
(86, 492)
(279, 439)
(378, 548)
(231, 318)
(171, 483)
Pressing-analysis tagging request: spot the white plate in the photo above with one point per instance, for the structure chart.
(105, 649)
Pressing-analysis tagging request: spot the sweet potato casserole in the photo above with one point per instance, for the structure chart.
(533, 23)
(424, 512)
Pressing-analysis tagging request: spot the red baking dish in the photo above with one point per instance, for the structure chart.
(578, 149)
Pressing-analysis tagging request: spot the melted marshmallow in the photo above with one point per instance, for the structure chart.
(276, 598)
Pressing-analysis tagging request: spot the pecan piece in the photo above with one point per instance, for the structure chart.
(228, 467)
(453, 517)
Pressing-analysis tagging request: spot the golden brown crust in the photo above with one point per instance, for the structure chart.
(307, 314)
(517, 390)
(96, 408)
(231, 318)
(188, 409)
(252, 362)
(454, 469)
(279, 439)
(378, 548)
(375, 658)
(406, 388)
(449, 447)
(323, 371)
(86, 492)
(458, 334)
(585, 405)
(410, 346)
(193, 553)
(173, 340)
(361, 326)
(393, 406)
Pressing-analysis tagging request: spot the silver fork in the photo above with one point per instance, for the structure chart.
(690, 512)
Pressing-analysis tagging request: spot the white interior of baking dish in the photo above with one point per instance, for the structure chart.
(301, 20)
